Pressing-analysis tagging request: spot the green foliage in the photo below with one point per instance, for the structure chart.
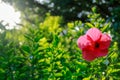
(48, 50)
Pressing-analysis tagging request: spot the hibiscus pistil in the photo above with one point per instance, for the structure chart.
(97, 45)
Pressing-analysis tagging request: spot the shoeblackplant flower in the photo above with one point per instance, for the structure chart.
(94, 44)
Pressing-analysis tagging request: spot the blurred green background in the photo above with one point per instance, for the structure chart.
(45, 47)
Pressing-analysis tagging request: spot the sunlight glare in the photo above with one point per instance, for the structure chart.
(9, 16)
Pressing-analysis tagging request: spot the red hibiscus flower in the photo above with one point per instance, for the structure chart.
(94, 44)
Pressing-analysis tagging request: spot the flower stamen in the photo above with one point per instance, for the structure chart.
(97, 45)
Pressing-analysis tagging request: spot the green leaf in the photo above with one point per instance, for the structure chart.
(58, 74)
(26, 48)
(55, 40)
(94, 9)
(89, 25)
(107, 25)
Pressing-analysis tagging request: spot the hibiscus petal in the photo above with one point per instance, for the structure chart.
(101, 53)
(88, 55)
(94, 34)
(105, 41)
(83, 42)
